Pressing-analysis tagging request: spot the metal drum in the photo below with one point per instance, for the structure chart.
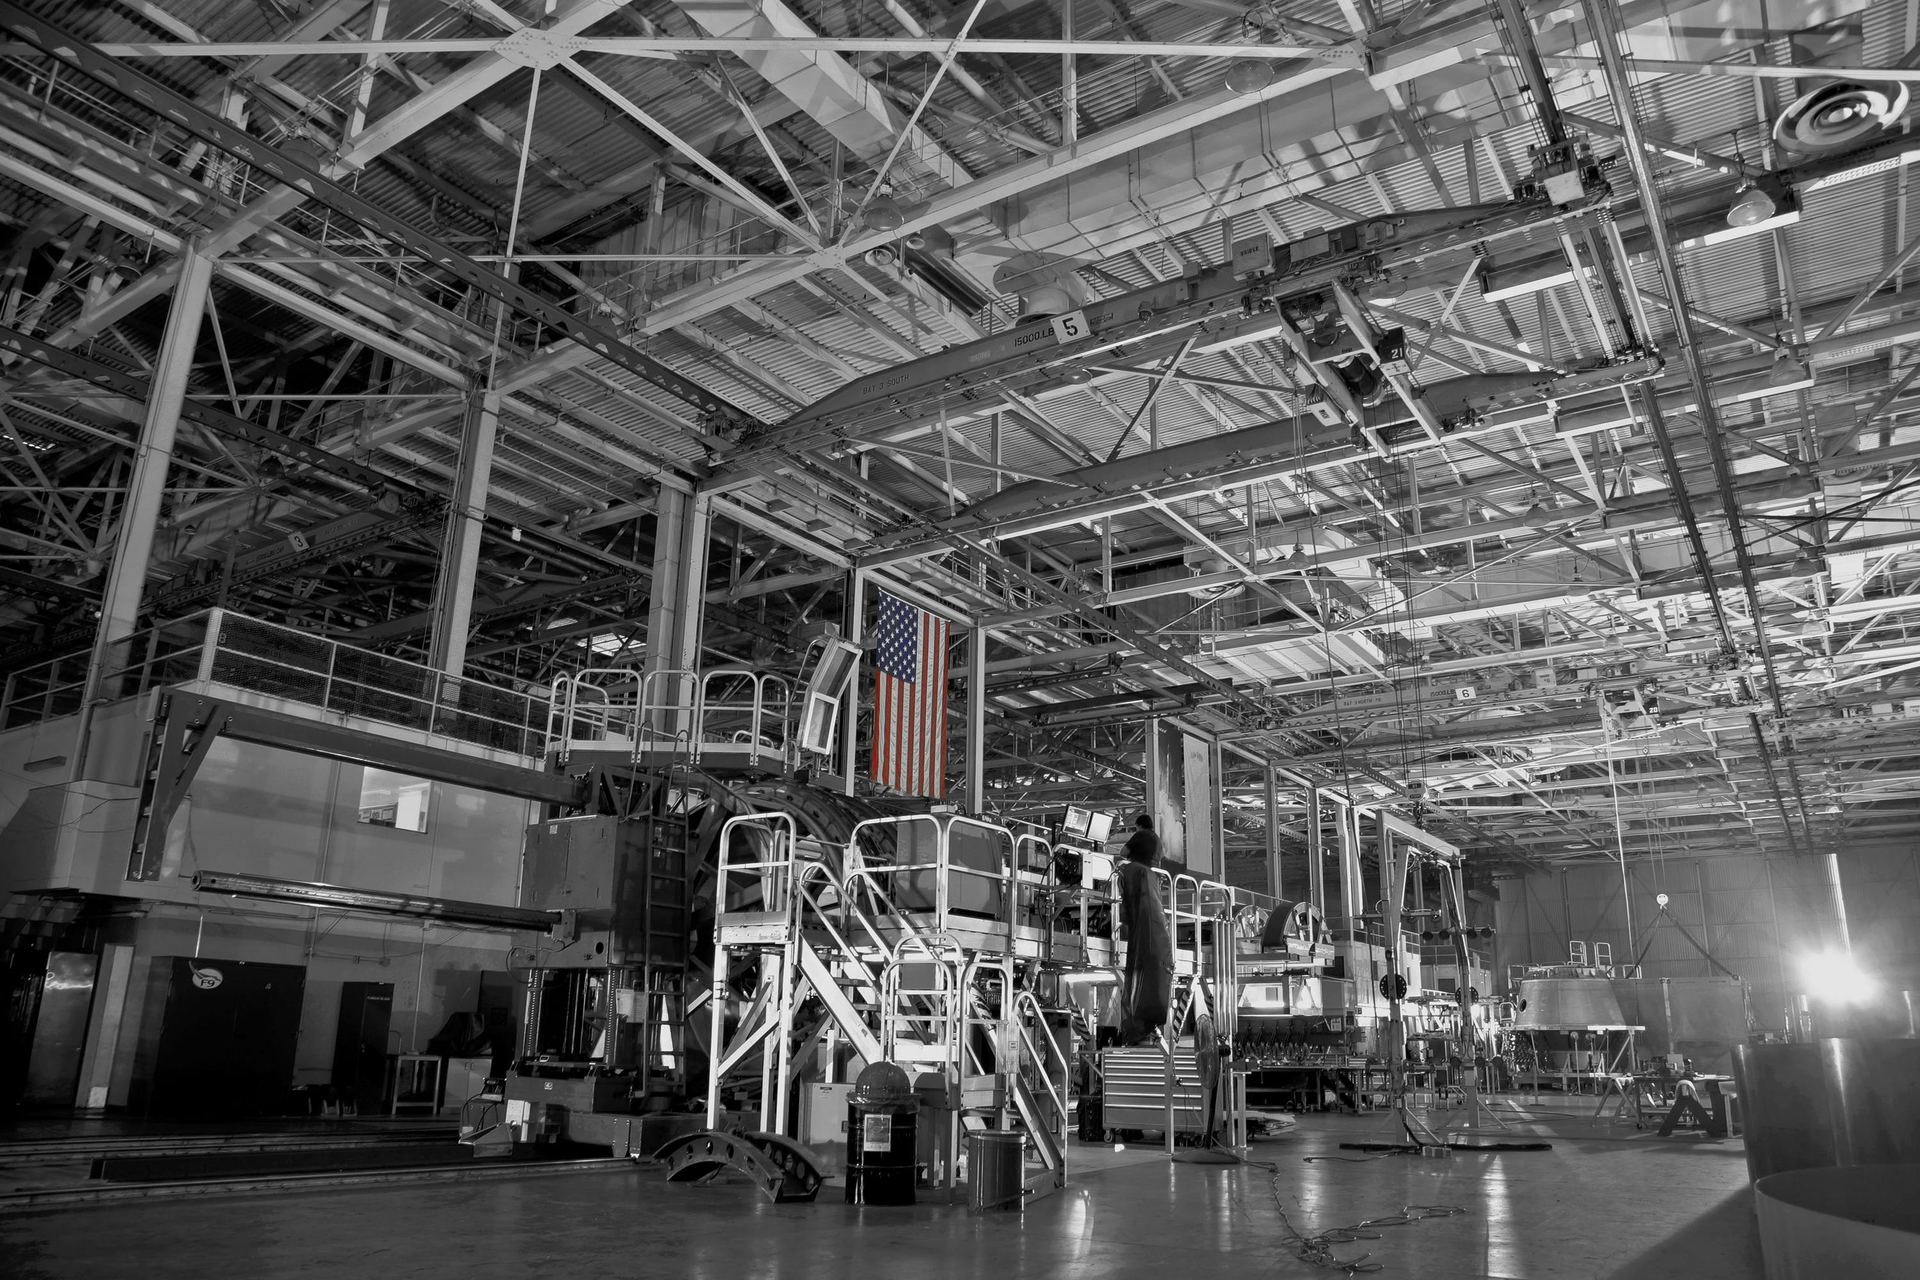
(1567, 1004)
(1833, 1102)
(883, 1114)
(996, 1170)
(1817, 1223)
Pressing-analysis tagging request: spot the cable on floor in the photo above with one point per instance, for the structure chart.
(1317, 1249)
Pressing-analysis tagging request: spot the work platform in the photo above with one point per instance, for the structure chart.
(725, 720)
(965, 952)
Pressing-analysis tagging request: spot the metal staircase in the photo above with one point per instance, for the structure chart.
(887, 987)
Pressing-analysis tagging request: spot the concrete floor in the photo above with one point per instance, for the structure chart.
(1605, 1202)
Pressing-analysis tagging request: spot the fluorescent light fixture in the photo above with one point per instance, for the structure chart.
(1837, 977)
(473, 915)
(1725, 234)
(1885, 164)
(1785, 375)
(1524, 287)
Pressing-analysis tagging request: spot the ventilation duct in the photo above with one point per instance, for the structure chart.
(1046, 284)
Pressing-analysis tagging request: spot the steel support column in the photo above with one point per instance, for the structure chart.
(1316, 851)
(675, 607)
(850, 695)
(466, 518)
(1393, 887)
(153, 458)
(975, 780)
(1217, 765)
(1272, 790)
(1353, 884)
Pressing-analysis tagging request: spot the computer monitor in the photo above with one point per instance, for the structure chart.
(1100, 829)
(1077, 821)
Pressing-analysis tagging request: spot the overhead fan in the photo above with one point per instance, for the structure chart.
(1839, 115)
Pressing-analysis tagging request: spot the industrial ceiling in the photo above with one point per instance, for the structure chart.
(1494, 413)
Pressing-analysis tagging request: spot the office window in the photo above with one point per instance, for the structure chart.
(394, 800)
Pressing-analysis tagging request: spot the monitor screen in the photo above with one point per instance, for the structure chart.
(1100, 829)
(1077, 820)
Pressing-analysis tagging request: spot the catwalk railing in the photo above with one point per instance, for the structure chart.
(218, 651)
(724, 717)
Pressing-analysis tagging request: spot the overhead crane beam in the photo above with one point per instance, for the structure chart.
(1619, 86)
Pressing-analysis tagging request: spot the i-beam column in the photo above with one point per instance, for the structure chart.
(1272, 790)
(153, 458)
(460, 551)
(975, 781)
(674, 610)
(850, 694)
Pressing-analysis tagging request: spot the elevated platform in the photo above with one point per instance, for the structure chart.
(726, 721)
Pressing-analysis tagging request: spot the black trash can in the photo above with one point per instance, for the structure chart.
(883, 1116)
(1090, 1111)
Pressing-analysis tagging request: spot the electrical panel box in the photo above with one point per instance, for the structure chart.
(1252, 257)
(570, 864)
(622, 877)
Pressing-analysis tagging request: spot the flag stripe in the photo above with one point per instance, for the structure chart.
(910, 700)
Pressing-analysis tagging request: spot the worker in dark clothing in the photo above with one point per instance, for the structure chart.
(1147, 980)
(1144, 844)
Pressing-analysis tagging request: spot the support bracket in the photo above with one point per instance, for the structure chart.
(784, 1170)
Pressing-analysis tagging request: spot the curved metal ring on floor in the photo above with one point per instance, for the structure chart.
(784, 1170)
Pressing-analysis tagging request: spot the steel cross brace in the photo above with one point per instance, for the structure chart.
(307, 176)
(217, 420)
(179, 743)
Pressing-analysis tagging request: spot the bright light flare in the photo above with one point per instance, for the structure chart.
(1836, 976)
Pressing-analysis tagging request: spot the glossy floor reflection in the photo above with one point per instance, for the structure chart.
(1602, 1203)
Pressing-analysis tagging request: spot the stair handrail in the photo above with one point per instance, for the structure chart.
(948, 1016)
(563, 709)
(776, 872)
(1027, 1002)
(862, 886)
(1186, 903)
(815, 875)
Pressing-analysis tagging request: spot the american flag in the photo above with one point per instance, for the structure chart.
(910, 700)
